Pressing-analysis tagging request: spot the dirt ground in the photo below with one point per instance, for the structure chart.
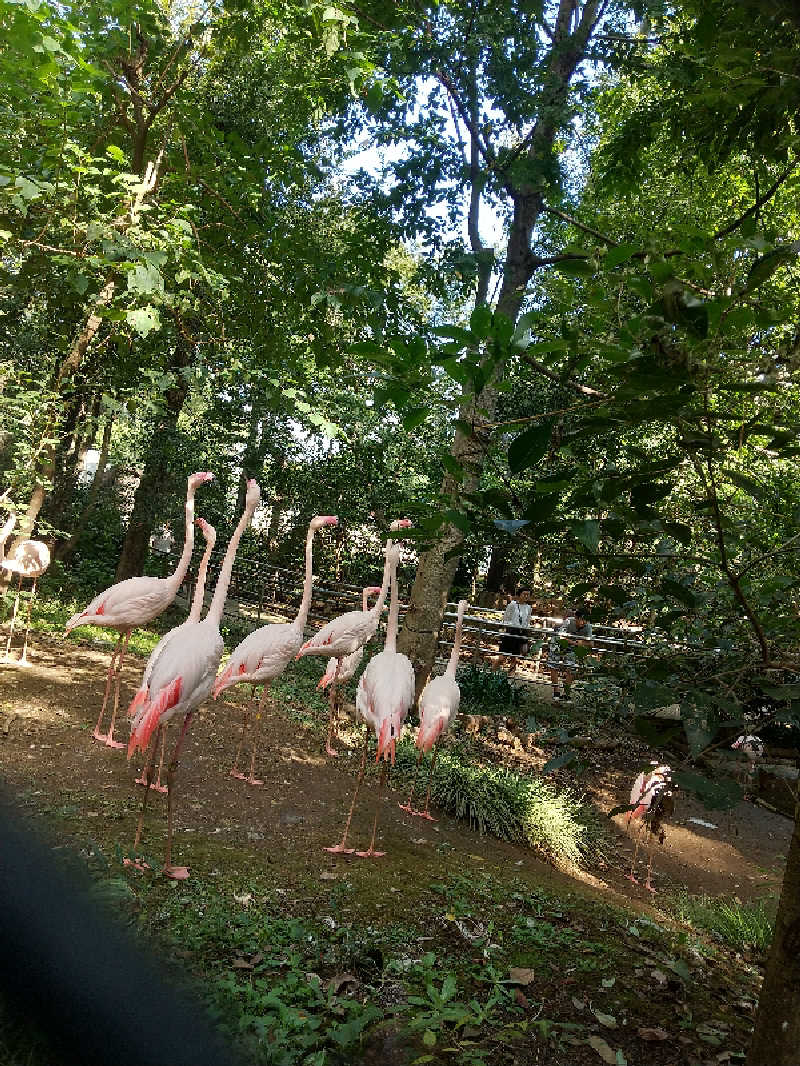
(47, 712)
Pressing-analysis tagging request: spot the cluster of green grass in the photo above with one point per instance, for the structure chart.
(738, 925)
(505, 804)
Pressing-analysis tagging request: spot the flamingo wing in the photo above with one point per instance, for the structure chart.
(130, 603)
(341, 636)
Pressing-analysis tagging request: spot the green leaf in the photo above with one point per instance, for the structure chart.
(717, 795)
(529, 447)
(748, 484)
(480, 322)
(459, 520)
(564, 759)
(620, 254)
(765, 267)
(415, 417)
(429, 1038)
(456, 333)
(588, 533)
(575, 268)
(144, 320)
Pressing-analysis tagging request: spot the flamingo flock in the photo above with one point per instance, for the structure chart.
(183, 669)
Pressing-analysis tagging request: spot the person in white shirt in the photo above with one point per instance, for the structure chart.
(517, 619)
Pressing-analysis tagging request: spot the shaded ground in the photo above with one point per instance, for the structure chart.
(442, 887)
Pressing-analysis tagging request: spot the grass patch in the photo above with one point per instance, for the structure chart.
(738, 925)
(505, 804)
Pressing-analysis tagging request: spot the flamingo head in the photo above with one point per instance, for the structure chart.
(400, 523)
(390, 732)
(200, 478)
(224, 680)
(373, 590)
(207, 530)
(324, 520)
(393, 556)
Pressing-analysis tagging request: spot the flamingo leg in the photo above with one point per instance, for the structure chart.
(177, 873)
(631, 875)
(340, 848)
(24, 658)
(252, 779)
(425, 814)
(236, 772)
(156, 785)
(110, 742)
(332, 713)
(647, 883)
(407, 805)
(13, 618)
(371, 853)
(148, 771)
(97, 734)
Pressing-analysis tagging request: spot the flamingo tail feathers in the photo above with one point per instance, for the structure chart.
(168, 697)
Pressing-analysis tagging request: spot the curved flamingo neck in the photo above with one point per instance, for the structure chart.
(305, 603)
(378, 607)
(175, 579)
(452, 666)
(394, 614)
(364, 598)
(5, 533)
(224, 579)
(200, 587)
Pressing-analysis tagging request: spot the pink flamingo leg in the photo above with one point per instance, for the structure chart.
(24, 660)
(236, 772)
(252, 779)
(340, 848)
(425, 813)
(332, 713)
(110, 742)
(13, 618)
(631, 876)
(97, 734)
(407, 805)
(177, 873)
(371, 853)
(156, 785)
(148, 770)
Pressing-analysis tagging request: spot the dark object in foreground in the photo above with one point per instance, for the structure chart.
(79, 977)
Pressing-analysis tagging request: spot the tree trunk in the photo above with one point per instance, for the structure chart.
(431, 588)
(158, 476)
(776, 1040)
(497, 574)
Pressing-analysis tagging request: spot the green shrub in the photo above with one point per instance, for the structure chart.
(486, 691)
(739, 925)
(508, 805)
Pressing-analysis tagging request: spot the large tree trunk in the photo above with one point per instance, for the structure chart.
(776, 1040)
(431, 588)
(158, 476)
(497, 574)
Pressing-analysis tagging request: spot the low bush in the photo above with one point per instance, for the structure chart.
(486, 691)
(738, 925)
(508, 805)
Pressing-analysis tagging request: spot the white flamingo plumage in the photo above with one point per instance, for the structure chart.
(210, 535)
(30, 559)
(385, 694)
(339, 671)
(183, 677)
(438, 708)
(265, 653)
(136, 602)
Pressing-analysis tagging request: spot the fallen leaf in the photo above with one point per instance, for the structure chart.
(518, 975)
(652, 1034)
(602, 1049)
(245, 900)
(241, 964)
(608, 1020)
(476, 858)
(659, 976)
(328, 875)
(521, 998)
(578, 1004)
(609, 983)
(340, 980)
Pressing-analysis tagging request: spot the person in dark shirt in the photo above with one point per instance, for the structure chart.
(561, 661)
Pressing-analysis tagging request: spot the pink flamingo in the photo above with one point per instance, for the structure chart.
(29, 558)
(135, 602)
(265, 653)
(182, 678)
(651, 798)
(438, 707)
(385, 693)
(341, 670)
(344, 635)
(210, 535)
